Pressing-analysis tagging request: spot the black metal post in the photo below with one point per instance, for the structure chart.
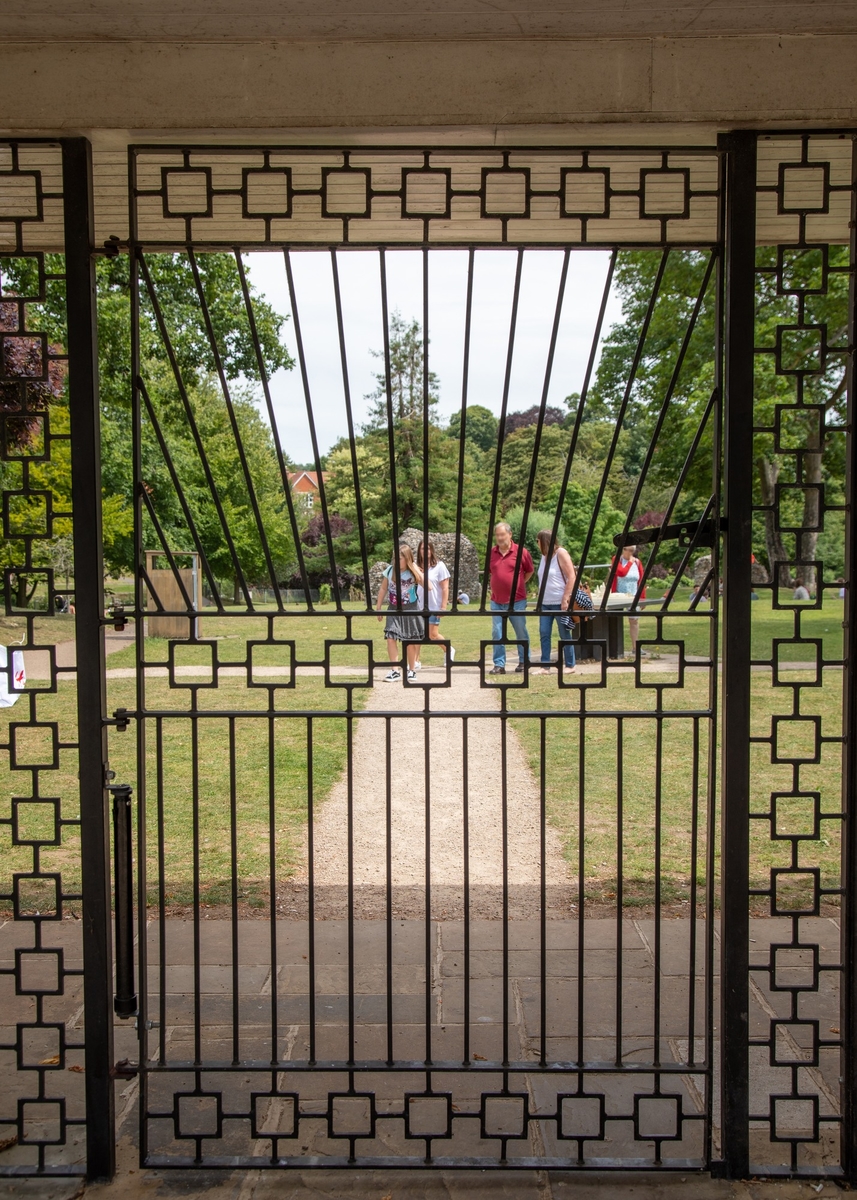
(849, 771)
(91, 699)
(125, 997)
(740, 231)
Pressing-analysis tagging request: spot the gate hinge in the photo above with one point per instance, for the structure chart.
(124, 1069)
(689, 533)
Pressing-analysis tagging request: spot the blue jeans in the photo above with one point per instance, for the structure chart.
(545, 630)
(519, 625)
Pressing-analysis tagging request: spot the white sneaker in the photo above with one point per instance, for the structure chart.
(411, 675)
(452, 653)
(418, 666)
(393, 677)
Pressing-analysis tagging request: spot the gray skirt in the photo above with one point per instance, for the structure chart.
(403, 627)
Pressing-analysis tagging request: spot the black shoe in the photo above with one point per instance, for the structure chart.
(497, 671)
(519, 670)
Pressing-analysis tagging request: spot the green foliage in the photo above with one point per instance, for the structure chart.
(178, 298)
(254, 541)
(410, 463)
(580, 513)
(409, 387)
(520, 461)
(536, 522)
(480, 427)
(324, 594)
(373, 467)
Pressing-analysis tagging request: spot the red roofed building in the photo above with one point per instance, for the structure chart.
(305, 485)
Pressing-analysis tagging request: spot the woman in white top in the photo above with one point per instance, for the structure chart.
(438, 588)
(557, 592)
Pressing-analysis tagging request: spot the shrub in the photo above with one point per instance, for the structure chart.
(324, 594)
(536, 521)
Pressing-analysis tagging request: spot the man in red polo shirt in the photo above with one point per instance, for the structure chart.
(505, 568)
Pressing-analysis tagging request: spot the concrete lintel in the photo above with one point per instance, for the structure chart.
(417, 85)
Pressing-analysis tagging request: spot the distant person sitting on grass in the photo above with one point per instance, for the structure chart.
(507, 562)
(401, 625)
(800, 593)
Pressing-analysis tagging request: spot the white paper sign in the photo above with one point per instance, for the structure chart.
(10, 696)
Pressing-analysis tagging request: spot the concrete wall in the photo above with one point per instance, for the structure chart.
(591, 83)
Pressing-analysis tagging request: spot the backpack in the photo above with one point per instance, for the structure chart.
(583, 608)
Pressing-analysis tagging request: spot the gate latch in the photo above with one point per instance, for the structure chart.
(124, 1069)
(117, 615)
(688, 533)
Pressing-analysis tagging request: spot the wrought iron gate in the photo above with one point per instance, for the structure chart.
(417, 923)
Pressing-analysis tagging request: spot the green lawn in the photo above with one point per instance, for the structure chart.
(269, 822)
(466, 630)
(267, 835)
(582, 789)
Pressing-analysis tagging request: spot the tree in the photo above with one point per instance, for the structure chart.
(480, 427)
(175, 299)
(409, 389)
(411, 468)
(799, 369)
(522, 420)
(518, 465)
(227, 498)
(582, 513)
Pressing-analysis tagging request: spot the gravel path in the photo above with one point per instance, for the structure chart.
(446, 814)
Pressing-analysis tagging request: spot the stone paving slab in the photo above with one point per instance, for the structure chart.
(285, 991)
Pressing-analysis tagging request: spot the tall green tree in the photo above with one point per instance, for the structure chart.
(410, 393)
(805, 279)
(480, 427)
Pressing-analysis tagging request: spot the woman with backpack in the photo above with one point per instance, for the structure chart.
(555, 594)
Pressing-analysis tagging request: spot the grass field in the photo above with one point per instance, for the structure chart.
(234, 756)
(660, 827)
(465, 631)
(621, 849)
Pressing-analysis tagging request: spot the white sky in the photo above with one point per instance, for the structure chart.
(494, 273)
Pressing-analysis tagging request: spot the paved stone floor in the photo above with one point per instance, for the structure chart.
(427, 970)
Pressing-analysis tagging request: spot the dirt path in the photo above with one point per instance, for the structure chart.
(445, 837)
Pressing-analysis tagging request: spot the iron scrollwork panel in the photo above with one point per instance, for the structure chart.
(327, 975)
(42, 1116)
(800, 877)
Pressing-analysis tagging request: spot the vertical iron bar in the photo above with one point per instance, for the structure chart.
(91, 685)
(125, 998)
(501, 428)
(543, 949)
(352, 440)
(388, 879)
(233, 896)
(849, 772)
(310, 887)
(620, 871)
(272, 901)
(316, 457)
(462, 432)
(465, 751)
(738, 499)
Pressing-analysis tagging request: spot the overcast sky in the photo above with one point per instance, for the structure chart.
(494, 273)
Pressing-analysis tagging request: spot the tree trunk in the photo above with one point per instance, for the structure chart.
(808, 540)
(236, 590)
(768, 474)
